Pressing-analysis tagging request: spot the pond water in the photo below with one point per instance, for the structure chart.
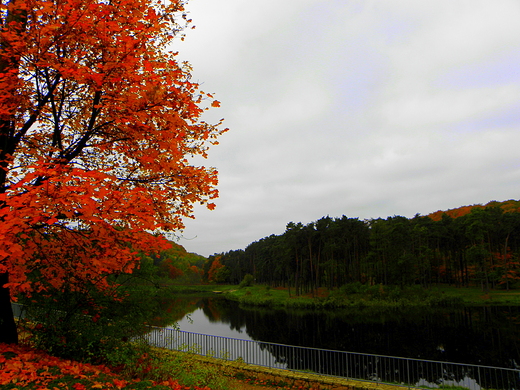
(473, 335)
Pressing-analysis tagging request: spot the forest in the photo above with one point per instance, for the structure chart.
(471, 245)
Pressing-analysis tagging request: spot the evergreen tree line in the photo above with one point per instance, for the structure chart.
(481, 248)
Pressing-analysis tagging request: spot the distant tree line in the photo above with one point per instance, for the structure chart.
(471, 245)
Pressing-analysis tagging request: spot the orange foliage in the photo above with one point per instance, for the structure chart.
(509, 268)
(216, 265)
(173, 272)
(453, 213)
(24, 367)
(98, 122)
(507, 206)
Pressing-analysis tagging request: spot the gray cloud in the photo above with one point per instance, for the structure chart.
(367, 109)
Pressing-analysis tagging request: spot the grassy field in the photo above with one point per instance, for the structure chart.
(475, 295)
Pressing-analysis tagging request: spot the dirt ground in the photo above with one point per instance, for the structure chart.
(248, 377)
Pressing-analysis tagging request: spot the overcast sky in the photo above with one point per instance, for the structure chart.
(360, 108)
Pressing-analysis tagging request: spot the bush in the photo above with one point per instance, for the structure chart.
(353, 288)
(247, 281)
(89, 326)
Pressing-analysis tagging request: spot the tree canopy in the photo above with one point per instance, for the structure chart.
(470, 245)
(99, 125)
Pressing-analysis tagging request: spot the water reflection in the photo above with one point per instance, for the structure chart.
(199, 322)
(473, 335)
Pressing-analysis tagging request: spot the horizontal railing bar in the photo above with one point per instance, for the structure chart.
(338, 351)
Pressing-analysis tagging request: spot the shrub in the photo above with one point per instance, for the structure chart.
(88, 326)
(352, 288)
(247, 281)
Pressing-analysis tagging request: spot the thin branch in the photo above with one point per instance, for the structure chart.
(34, 116)
(76, 149)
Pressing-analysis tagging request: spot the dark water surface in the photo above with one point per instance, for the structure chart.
(487, 335)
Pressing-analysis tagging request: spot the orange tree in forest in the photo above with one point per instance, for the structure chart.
(98, 126)
(218, 272)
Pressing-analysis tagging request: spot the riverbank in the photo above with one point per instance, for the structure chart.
(357, 296)
(25, 367)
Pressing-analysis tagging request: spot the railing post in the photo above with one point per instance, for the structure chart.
(442, 377)
(408, 381)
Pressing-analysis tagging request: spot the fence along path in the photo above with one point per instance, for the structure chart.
(350, 365)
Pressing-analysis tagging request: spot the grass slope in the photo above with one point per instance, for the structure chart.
(22, 367)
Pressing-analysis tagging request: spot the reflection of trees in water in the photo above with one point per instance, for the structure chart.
(472, 335)
(228, 312)
(211, 309)
(172, 310)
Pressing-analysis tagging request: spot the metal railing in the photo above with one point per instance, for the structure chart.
(366, 367)
(18, 310)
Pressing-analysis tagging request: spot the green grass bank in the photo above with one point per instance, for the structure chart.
(357, 295)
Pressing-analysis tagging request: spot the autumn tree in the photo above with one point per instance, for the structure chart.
(218, 272)
(99, 124)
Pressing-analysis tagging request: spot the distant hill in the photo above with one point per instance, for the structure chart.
(179, 249)
(507, 205)
(179, 252)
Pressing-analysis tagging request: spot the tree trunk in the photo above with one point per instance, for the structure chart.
(506, 264)
(8, 332)
(15, 20)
